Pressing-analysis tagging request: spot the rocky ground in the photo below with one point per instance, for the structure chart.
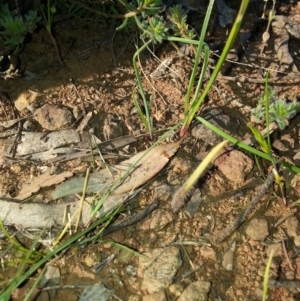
(56, 108)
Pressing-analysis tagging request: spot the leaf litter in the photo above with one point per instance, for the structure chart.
(43, 215)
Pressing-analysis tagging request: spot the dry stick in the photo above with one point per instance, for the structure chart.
(246, 212)
(283, 219)
(288, 80)
(255, 66)
(187, 274)
(14, 145)
(133, 219)
(123, 49)
(289, 284)
(287, 256)
(59, 287)
(148, 80)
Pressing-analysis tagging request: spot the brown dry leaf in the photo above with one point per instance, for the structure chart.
(40, 215)
(153, 162)
(43, 180)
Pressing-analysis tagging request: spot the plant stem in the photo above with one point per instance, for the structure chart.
(197, 59)
(243, 215)
(19, 280)
(195, 105)
(146, 119)
(56, 47)
(48, 25)
(267, 106)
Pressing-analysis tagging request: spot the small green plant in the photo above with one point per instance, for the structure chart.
(280, 110)
(156, 31)
(193, 104)
(15, 28)
(178, 16)
(265, 143)
(48, 14)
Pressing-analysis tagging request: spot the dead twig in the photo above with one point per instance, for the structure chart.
(283, 219)
(133, 219)
(290, 284)
(287, 256)
(246, 212)
(287, 80)
(15, 114)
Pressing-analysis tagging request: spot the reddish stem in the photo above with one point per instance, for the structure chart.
(59, 58)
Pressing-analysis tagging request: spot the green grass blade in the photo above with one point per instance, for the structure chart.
(267, 106)
(233, 33)
(190, 182)
(36, 282)
(197, 58)
(203, 70)
(259, 138)
(123, 25)
(182, 40)
(124, 248)
(146, 120)
(139, 110)
(246, 147)
(266, 277)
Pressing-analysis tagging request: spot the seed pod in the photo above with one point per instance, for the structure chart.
(266, 37)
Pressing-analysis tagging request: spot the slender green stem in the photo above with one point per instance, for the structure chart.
(197, 59)
(267, 105)
(267, 276)
(49, 20)
(182, 40)
(195, 105)
(203, 71)
(48, 256)
(35, 284)
(246, 147)
(48, 24)
(146, 119)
